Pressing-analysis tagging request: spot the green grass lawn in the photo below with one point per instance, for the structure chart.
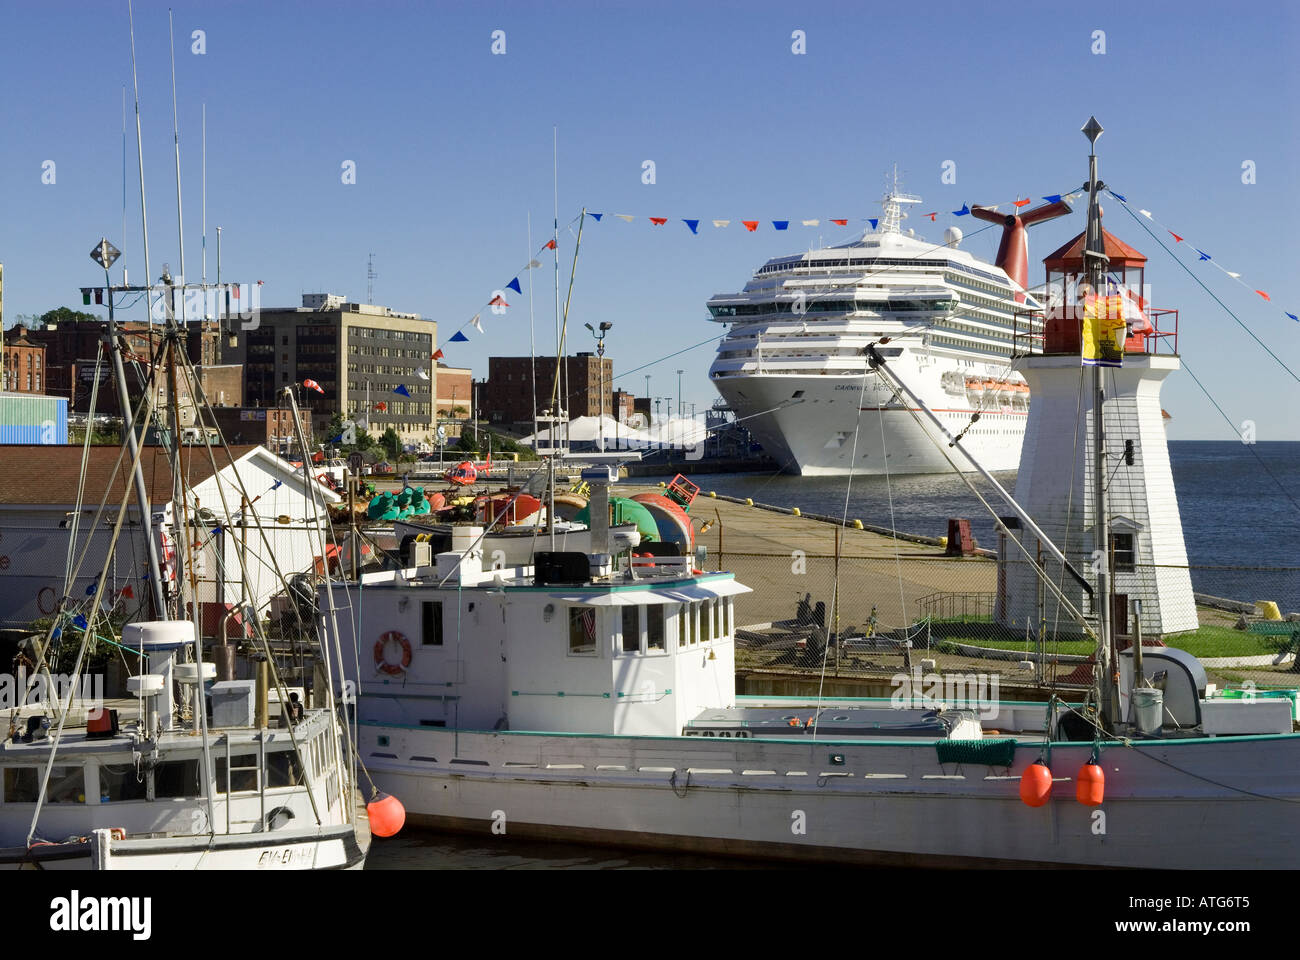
(1208, 641)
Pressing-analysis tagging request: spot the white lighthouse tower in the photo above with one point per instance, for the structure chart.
(1055, 481)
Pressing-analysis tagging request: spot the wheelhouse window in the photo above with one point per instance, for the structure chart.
(431, 625)
(631, 629)
(23, 785)
(177, 778)
(582, 632)
(120, 781)
(243, 773)
(655, 642)
(706, 618)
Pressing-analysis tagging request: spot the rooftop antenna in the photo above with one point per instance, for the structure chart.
(139, 149)
(370, 279)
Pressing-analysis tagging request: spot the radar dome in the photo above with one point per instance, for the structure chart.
(952, 236)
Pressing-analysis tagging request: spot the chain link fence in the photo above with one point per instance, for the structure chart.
(878, 614)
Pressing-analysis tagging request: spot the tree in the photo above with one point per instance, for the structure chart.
(62, 315)
(391, 443)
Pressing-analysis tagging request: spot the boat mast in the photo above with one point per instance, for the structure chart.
(1095, 262)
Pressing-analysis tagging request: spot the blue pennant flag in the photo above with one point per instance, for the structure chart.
(58, 632)
(277, 485)
(215, 531)
(781, 224)
(401, 389)
(1204, 255)
(693, 224)
(514, 285)
(80, 622)
(90, 590)
(596, 216)
(964, 211)
(338, 439)
(1120, 197)
(1053, 198)
(458, 337)
(1292, 316)
(873, 223)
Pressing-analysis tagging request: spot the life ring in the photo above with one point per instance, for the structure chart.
(383, 663)
(40, 600)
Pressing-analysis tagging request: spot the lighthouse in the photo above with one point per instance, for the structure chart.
(1146, 552)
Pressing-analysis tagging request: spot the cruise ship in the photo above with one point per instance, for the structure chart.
(791, 365)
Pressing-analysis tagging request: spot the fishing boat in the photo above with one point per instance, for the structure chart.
(590, 696)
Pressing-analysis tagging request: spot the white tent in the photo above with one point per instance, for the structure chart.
(677, 432)
(586, 432)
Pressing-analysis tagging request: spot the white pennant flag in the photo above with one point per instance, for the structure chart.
(419, 372)
(811, 223)
(1146, 213)
(626, 218)
(476, 323)
(721, 223)
(532, 263)
(1235, 276)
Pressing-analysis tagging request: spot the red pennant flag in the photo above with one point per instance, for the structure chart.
(1021, 203)
(931, 215)
(1264, 295)
(658, 221)
(381, 407)
(1177, 238)
(498, 301)
(550, 245)
(750, 225)
(128, 592)
(842, 223)
(437, 355)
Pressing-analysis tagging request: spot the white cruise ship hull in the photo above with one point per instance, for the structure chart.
(836, 427)
(861, 802)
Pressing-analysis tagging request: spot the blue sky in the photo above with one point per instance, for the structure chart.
(453, 147)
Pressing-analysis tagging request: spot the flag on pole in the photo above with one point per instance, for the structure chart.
(313, 385)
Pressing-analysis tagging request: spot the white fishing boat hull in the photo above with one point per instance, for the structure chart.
(330, 848)
(1190, 804)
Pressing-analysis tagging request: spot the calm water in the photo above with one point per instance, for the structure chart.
(1234, 514)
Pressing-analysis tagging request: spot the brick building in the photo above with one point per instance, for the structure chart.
(272, 427)
(455, 398)
(351, 350)
(507, 394)
(24, 363)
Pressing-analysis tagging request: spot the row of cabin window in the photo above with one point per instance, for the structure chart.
(175, 778)
(646, 629)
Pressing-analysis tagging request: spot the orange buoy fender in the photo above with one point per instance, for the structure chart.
(387, 815)
(1036, 784)
(1092, 785)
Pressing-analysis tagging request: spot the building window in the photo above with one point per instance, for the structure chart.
(1121, 546)
(631, 629)
(431, 632)
(582, 631)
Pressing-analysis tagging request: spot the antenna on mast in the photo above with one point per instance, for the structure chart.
(176, 140)
(370, 279)
(139, 149)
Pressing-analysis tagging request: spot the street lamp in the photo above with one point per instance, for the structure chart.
(679, 392)
(605, 327)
